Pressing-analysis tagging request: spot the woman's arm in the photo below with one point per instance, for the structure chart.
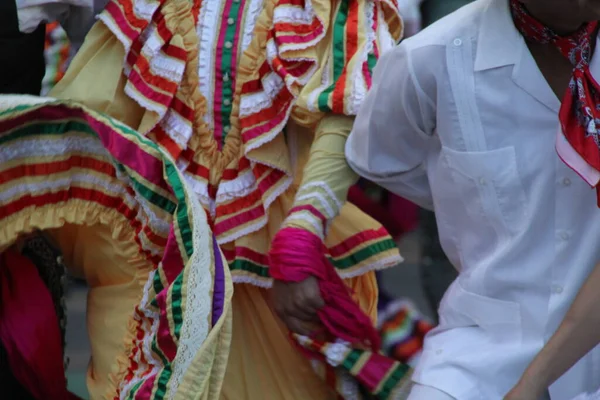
(576, 336)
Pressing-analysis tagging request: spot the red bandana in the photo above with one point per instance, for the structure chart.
(580, 110)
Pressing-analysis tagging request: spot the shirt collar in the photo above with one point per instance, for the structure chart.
(499, 42)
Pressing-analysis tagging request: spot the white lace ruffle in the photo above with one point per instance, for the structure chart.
(198, 302)
(207, 29)
(252, 12)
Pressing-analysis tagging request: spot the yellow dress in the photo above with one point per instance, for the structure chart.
(254, 100)
(124, 219)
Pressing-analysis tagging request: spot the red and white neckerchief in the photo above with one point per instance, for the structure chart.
(578, 144)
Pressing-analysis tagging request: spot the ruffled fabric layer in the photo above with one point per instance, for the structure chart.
(297, 66)
(63, 164)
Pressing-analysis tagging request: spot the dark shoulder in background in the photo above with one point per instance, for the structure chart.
(22, 64)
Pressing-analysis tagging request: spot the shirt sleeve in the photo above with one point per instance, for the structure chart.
(327, 178)
(393, 131)
(76, 16)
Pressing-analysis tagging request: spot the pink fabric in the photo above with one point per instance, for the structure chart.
(399, 216)
(297, 254)
(569, 156)
(29, 329)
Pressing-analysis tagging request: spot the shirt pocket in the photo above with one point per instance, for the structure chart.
(490, 186)
(499, 319)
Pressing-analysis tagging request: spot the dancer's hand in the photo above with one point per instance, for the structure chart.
(297, 305)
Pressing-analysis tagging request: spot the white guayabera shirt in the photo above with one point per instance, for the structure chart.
(461, 120)
(411, 16)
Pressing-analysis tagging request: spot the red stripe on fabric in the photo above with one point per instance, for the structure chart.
(44, 169)
(238, 220)
(180, 107)
(375, 370)
(252, 126)
(298, 29)
(266, 182)
(356, 240)
(256, 84)
(293, 39)
(137, 80)
(339, 94)
(231, 174)
(254, 256)
(125, 19)
(238, 204)
(145, 391)
(163, 138)
(172, 262)
(142, 66)
(311, 209)
(164, 339)
(295, 3)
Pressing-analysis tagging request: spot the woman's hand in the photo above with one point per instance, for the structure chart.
(297, 305)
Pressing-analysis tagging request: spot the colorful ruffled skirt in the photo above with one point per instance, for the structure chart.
(117, 208)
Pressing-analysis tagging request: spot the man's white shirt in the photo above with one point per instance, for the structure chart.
(460, 120)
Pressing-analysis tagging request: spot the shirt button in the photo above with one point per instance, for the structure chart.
(439, 351)
(226, 78)
(230, 21)
(565, 236)
(228, 45)
(482, 181)
(227, 102)
(226, 129)
(457, 42)
(566, 182)
(557, 289)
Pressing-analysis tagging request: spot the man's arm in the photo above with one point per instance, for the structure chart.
(578, 334)
(393, 131)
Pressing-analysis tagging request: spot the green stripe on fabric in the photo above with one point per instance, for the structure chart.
(361, 255)
(165, 373)
(29, 107)
(134, 390)
(248, 266)
(158, 287)
(185, 239)
(226, 61)
(352, 359)
(176, 303)
(371, 62)
(181, 214)
(339, 53)
(146, 192)
(47, 128)
(161, 384)
(391, 383)
(153, 197)
(349, 261)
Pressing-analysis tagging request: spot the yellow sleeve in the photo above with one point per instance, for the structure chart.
(327, 177)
